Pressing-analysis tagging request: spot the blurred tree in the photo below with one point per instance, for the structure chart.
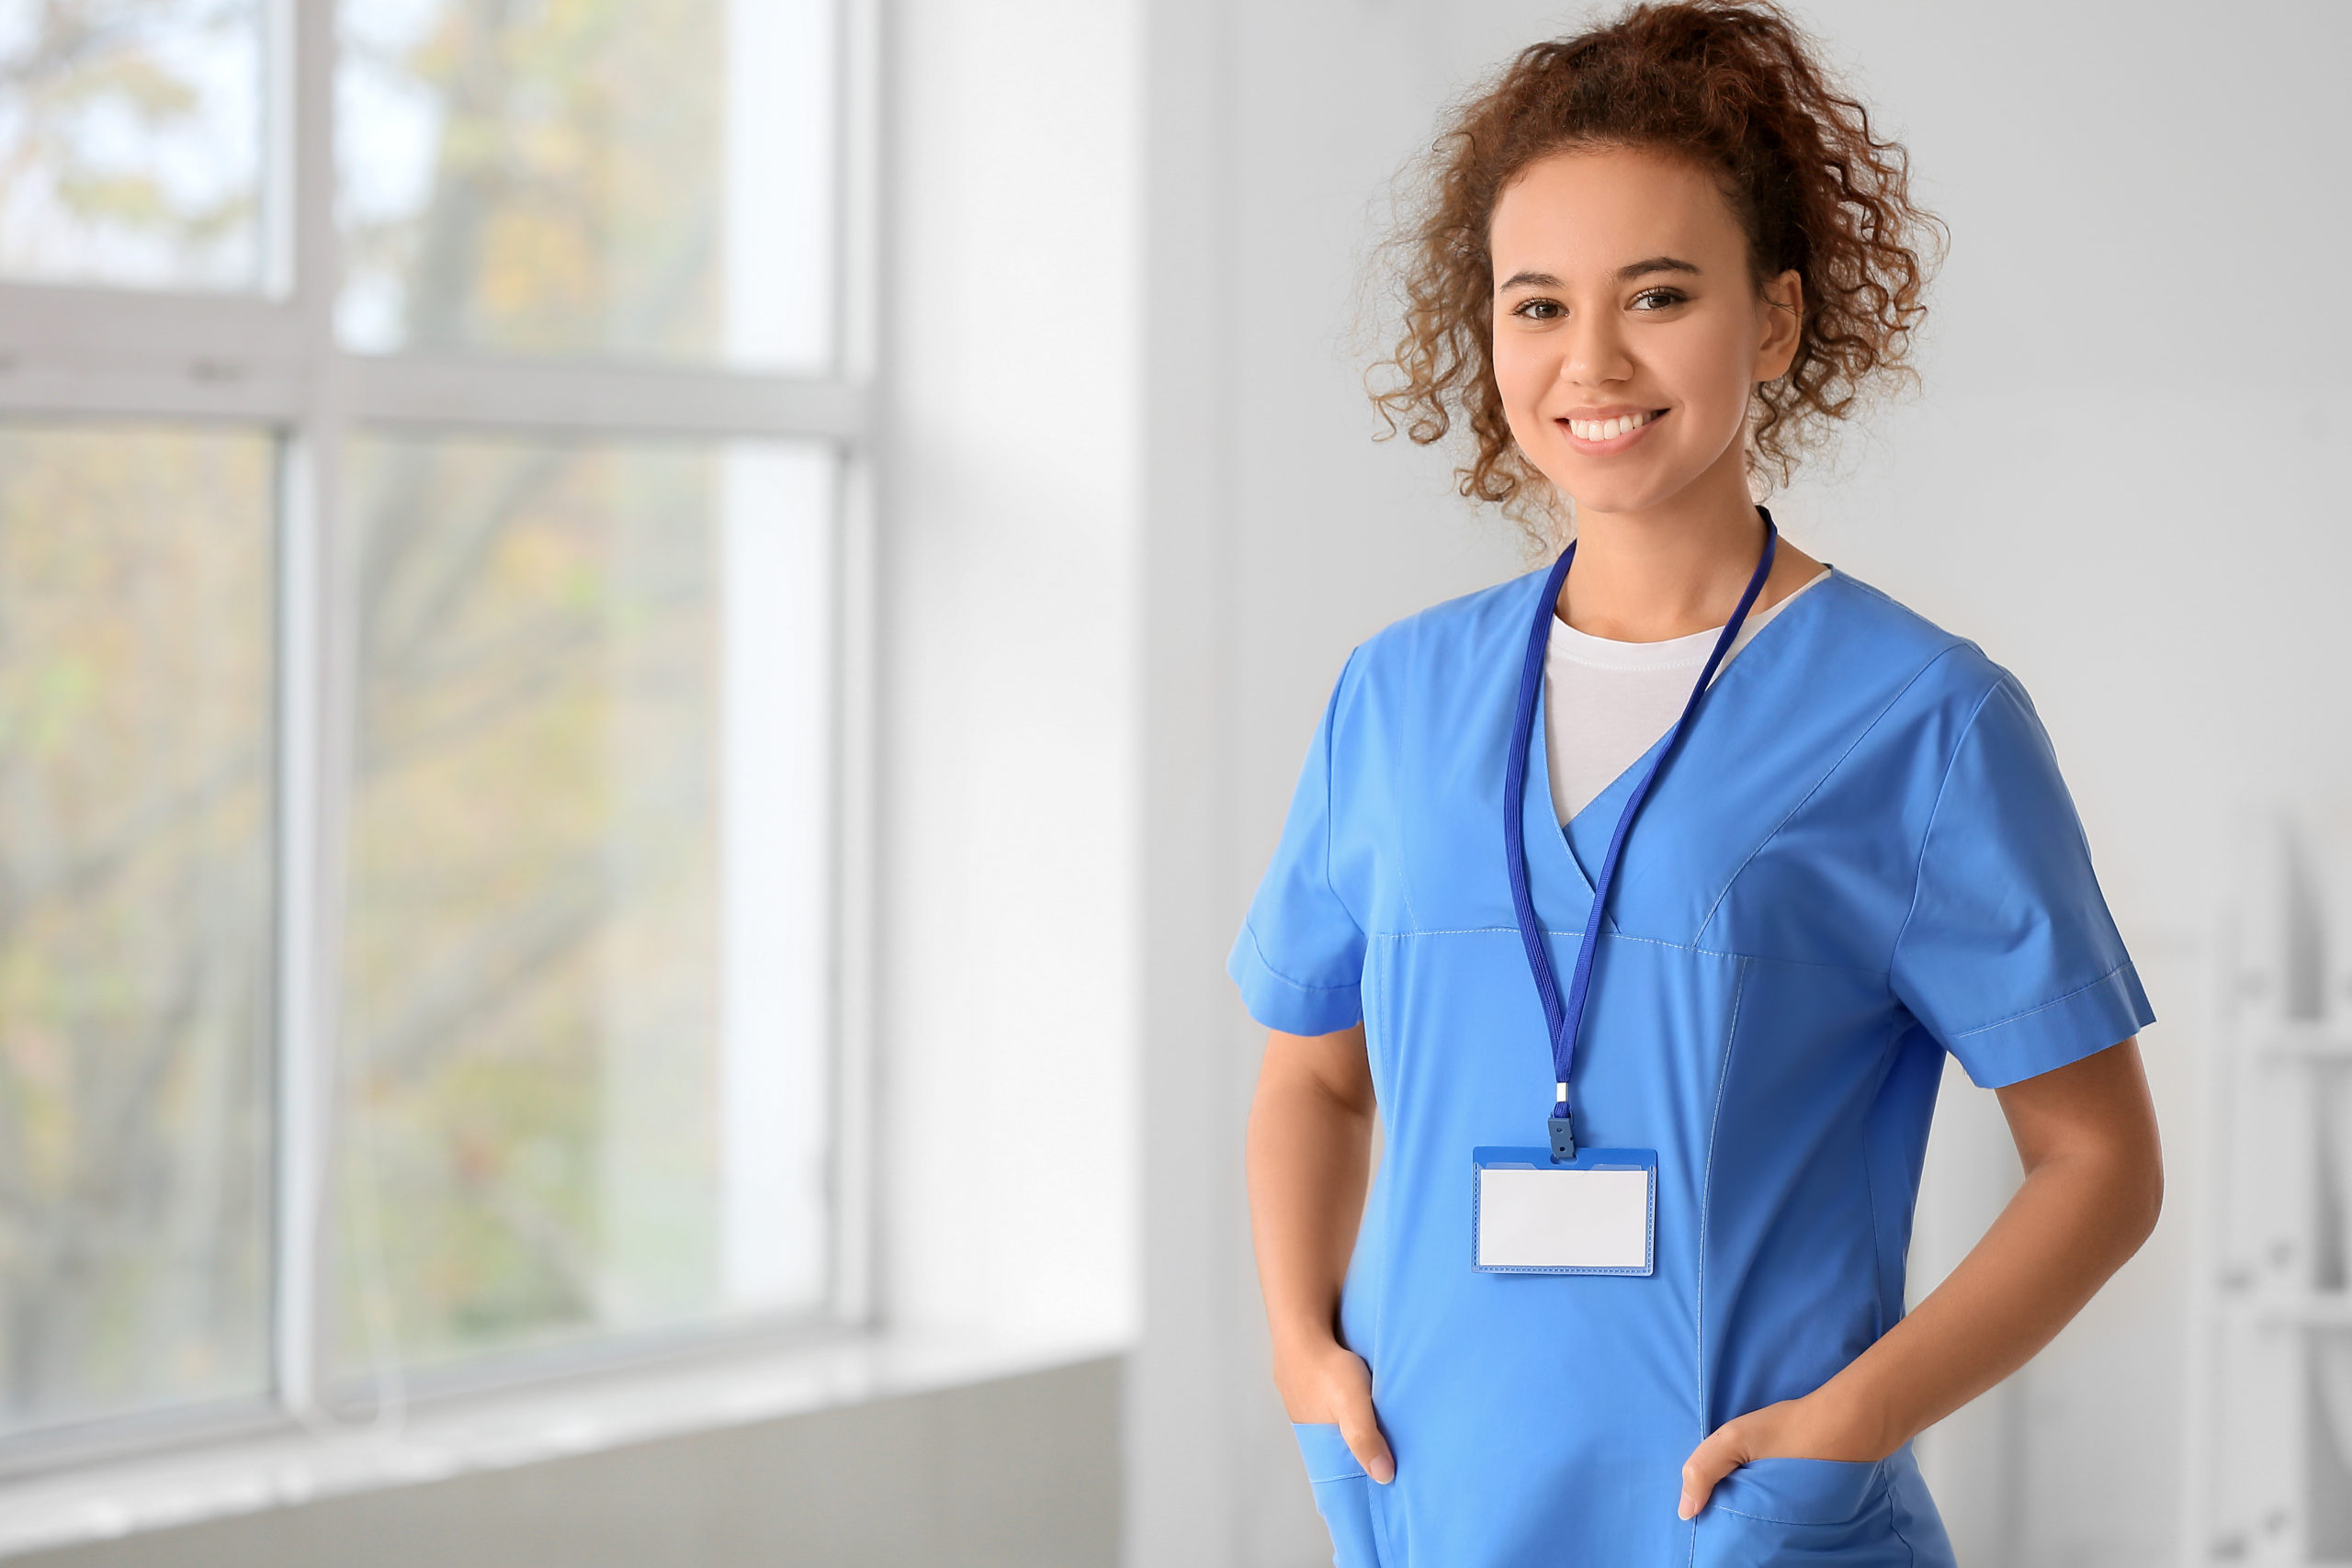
(134, 901)
(131, 141)
(571, 200)
(515, 625)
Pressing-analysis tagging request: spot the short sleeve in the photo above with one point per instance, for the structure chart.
(2009, 956)
(1299, 957)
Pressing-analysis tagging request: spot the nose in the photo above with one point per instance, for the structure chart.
(1595, 351)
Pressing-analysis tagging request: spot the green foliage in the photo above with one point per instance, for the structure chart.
(89, 109)
(135, 802)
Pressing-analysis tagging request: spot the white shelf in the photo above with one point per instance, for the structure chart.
(2251, 1497)
(2303, 1041)
(2283, 1309)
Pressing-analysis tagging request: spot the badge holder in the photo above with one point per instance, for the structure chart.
(1596, 1214)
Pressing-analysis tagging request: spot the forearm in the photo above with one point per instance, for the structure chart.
(2072, 1224)
(1309, 1153)
(2087, 1134)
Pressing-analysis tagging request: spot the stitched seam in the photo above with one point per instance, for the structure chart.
(1870, 1202)
(1397, 818)
(1623, 936)
(1876, 719)
(1385, 995)
(1869, 1189)
(1919, 870)
(1380, 1542)
(1902, 1263)
(2054, 1001)
(1465, 930)
(1294, 985)
(1706, 1191)
(1895, 1524)
(1776, 1519)
(1706, 1186)
(1331, 745)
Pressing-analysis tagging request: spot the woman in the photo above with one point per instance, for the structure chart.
(1641, 897)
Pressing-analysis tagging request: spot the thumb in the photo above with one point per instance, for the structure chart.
(1709, 1463)
(1362, 1433)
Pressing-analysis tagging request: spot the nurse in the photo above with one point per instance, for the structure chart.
(1640, 898)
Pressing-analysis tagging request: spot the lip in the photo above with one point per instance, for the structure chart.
(1615, 444)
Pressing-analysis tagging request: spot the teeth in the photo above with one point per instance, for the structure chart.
(1609, 429)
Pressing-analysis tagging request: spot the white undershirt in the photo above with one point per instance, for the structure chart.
(1606, 703)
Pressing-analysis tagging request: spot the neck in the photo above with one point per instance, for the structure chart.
(1673, 570)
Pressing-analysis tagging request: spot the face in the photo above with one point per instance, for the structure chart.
(1628, 332)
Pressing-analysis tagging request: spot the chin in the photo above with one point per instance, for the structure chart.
(1617, 497)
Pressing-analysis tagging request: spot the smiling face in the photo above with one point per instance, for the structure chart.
(1628, 332)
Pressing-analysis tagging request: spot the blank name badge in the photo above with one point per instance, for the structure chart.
(1594, 1214)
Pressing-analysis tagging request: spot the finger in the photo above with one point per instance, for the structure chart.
(1362, 1433)
(1708, 1464)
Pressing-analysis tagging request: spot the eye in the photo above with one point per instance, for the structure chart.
(1664, 297)
(1539, 309)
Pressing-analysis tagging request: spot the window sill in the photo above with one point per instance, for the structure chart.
(454, 1436)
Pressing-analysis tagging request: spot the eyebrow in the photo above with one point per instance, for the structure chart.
(1625, 273)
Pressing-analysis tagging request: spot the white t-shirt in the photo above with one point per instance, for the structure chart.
(1606, 703)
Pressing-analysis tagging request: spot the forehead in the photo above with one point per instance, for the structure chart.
(1592, 210)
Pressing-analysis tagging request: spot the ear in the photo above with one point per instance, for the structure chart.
(1782, 310)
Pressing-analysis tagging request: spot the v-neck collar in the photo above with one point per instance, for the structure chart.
(1557, 878)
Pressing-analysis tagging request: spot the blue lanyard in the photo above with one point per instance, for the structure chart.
(1567, 1019)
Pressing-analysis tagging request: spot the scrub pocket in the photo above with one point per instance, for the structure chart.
(1801, 1510)
(1342, 1493)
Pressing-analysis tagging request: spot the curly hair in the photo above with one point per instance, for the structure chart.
(1732, 86)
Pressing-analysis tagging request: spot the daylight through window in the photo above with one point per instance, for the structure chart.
(430, 437)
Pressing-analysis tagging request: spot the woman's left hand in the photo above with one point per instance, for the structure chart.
(1810, 1427)
(2094, 1179)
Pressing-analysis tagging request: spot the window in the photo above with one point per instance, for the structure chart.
(593, 668)
(131, 141)
(136, 798)
(431, 444)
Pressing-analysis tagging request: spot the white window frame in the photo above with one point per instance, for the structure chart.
(270, 358)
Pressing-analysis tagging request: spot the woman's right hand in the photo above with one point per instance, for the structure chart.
(1310, 1158)
(1329, 1383)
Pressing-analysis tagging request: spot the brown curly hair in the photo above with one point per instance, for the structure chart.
(1734, 86)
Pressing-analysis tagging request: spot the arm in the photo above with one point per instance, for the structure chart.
(2094, 1180)
(1310, 1158)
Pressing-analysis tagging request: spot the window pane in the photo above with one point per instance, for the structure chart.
(130, 141)
(135, 805)
(648, 179)
(586, 953)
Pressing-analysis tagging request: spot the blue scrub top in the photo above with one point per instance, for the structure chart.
(1862, 856)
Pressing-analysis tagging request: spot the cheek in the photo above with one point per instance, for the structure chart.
(1712, 370)
(1523, 371)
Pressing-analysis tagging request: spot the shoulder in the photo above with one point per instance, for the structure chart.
(1414, 683)
(1453, 637)
(1915, 662)
(1916, 697)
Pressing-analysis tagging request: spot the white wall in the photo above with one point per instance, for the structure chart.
(1009, 301)
(2116, 482)
(2123, 484)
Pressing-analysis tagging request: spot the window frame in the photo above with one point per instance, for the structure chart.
(269, 358)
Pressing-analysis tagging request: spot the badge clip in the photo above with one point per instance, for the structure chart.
(1564, 1131)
